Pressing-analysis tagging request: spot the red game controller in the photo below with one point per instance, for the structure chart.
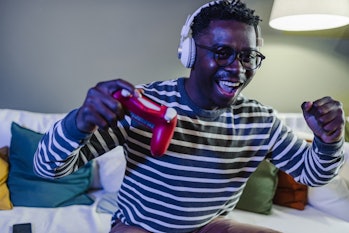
(161, 119)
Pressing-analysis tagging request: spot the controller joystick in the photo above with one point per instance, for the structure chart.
(159, 118)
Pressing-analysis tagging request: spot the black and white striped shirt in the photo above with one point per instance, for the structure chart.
(202, 175)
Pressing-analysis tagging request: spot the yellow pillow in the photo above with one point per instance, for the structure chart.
(5, 202)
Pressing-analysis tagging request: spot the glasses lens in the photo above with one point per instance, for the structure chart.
(250, 59)
(225, 55)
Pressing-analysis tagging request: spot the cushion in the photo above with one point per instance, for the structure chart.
(344, 171)
(5, 202)
(39, 122)
(112, 167)
(290, 193)
(260, 188)
(107, 203)
(332, 198)
(27, 189)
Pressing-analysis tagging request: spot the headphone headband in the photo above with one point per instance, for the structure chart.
(186, 27)
(186, 48)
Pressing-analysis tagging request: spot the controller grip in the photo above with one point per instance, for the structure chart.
(162, 135)
(161, 119)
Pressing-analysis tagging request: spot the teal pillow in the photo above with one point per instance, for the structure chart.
(260, 188)
(28, 189)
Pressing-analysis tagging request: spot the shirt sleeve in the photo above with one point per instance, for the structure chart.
(312, 164)
(56, 148)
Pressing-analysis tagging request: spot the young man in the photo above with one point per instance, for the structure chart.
(219, 140)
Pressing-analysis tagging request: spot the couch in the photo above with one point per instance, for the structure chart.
(84, 201)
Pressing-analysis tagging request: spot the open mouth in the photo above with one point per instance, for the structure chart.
(227, 87)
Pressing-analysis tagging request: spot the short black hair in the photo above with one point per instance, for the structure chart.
(224, 10)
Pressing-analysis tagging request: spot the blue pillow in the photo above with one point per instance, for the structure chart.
(28, 189)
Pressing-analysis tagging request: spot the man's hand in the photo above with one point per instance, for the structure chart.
(325, 117)
(100, 109)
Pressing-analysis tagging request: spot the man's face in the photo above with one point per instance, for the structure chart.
(211, 86)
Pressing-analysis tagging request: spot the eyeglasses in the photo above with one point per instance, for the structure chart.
(250, 59)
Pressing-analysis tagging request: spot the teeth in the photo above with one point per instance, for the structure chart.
(228, 87)
(229, 84)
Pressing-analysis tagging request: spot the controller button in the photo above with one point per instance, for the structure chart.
(170, 114)
(125, 93)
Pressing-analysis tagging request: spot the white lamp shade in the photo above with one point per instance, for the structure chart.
(309, 15)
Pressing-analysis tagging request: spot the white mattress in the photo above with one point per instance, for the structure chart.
(72, 219)
(289, 220)
(78, 219)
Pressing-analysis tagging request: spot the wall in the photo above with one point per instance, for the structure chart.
(51, 52)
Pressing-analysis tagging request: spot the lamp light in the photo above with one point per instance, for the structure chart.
(309, 15)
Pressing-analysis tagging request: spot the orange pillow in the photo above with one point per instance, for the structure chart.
(290, 193)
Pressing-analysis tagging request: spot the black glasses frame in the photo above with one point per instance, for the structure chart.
(233, 55)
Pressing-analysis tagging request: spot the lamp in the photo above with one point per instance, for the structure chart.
(309, 15)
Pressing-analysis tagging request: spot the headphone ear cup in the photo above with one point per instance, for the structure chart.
(188, 52)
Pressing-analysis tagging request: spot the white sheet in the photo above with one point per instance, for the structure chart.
(289, 220)
(71, 219)
(85, 219)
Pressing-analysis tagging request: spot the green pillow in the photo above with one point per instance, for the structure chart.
(28, 189)
(260, 189)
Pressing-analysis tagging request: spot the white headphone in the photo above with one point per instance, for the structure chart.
(187, 49)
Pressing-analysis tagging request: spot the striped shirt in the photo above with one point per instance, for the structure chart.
(202, 175)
